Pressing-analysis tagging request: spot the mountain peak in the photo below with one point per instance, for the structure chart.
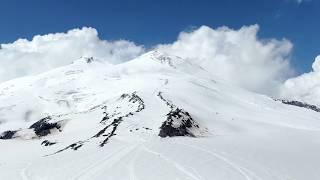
(164, 58)
(86, 60)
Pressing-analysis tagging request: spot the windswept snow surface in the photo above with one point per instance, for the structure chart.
(109, 119)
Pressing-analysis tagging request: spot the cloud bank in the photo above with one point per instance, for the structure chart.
(305, 87)
(44, 52)
(237, 56)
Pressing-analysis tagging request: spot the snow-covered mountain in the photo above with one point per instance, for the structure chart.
(156, 117)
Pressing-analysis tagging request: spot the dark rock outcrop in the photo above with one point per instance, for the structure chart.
(300, 104)
(43, 127)
(74, 146)
(132, 98)
(178, 123)
(7, 134)
(111, 120)
(47, 143)
(89, 60)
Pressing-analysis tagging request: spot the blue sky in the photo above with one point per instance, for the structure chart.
(153, 22)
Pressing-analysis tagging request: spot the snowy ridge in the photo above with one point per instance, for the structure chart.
(155, 117)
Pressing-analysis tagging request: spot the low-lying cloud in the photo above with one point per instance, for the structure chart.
(238, 56)
(305, 87)
(44, 52)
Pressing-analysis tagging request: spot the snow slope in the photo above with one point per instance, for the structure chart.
(106, 120)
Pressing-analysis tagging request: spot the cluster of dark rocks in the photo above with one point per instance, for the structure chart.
(8, 135)
(300, 104)
(178, 123)
(132, 98)
(41, 128)
(113, 125)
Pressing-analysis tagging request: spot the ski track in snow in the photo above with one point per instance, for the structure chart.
(247, 174)
(132, 174)
(110, 159)
(178, 166)
(24, 172)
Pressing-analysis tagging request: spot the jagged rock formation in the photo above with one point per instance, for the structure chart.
(43, 127)
(178, 123)
(131, 98)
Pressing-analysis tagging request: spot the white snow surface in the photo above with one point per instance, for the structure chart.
(241, 135)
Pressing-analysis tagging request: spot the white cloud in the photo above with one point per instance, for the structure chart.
(44, 52)
(305, 87)
(237, 56)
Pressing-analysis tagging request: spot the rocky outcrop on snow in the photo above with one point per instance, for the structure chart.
(8, 135)
(178, 123)
(300, 104)
(47, 143)
(131, 98)
(43, 127)
(114, 115)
